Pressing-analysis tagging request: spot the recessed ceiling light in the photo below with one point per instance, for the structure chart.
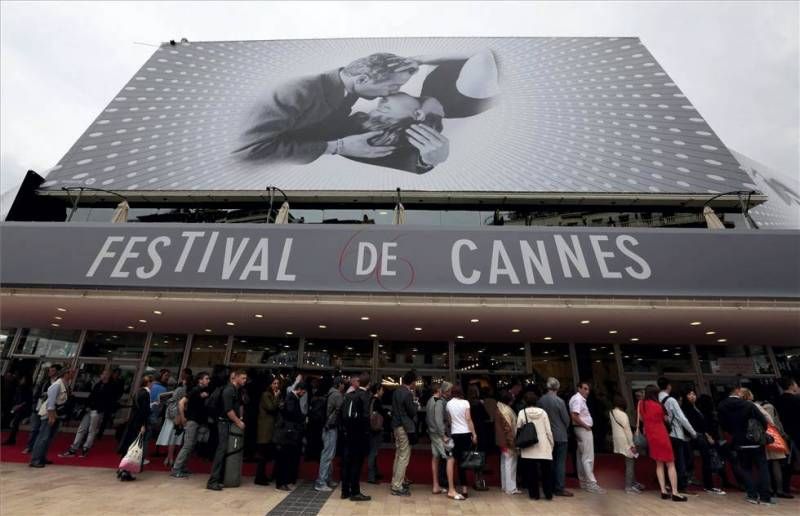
(373, 335)
(364, 318)
(665, 350)
(459, 336)
(383, 212)
(230, 323)
(548, 338)
(634, 339)
(594, 349)
(585, 321)
(322, 326)
(515, 330)
(695, 323)
(289, 333)
(259, 316)
(61, 309)
(157, 312)
(142, 321)
(58, 318)
(417, 328)
(474, 320)
(710, 332)
(612, 332)
(722, 340)
(130, 327)
(55, 325)
(207, 330)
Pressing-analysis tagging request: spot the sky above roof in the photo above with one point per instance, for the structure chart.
(61, 63)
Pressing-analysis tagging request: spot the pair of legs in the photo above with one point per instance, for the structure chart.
(402, 455)
(356, 450)
(671, 472)
(189, 441)
(585, 458)
(559, 466)
(462, 443)
(375, 440)
(87, 431)
(287, 465)
(537, 472)
(266, 454)
(325, 476)
(508, 471)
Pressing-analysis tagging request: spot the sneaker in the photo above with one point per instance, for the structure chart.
(68, 453)
(715, 491)
(400, 492)
(25, 451)
(322, 489)
(360, 498)
(768, 502)
(564, 493)
(632, 490)
(145, 462)
(639, 486)
(596, 489)
(754, 501)
(178, 474)
(333, 485)
(214, 487)
(84, 453)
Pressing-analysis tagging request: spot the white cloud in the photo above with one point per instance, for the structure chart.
(60, 63)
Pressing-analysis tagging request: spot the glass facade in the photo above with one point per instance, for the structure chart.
(49, 343)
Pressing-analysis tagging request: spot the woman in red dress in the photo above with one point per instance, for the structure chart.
(651, 413)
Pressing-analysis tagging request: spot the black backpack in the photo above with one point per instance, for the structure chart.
(317, 412)
(756, 435)
(353, 410)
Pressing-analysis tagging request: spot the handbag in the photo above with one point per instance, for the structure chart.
(526, 434)
(473, 459)
(203, 434)
(778, 443)
(132, 461)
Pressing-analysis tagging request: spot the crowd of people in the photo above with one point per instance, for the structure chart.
(531, 429)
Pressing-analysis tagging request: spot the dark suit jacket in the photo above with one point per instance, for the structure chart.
(788, 407)
(733, 416)
(403, 409)
(291, 123)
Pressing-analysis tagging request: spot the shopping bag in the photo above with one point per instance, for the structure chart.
(778, 443)
(132, 461)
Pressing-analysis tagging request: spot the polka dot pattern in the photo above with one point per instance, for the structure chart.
(593, 115)
(782, 209)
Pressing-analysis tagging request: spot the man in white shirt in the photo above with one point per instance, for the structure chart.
(582, 421)
(57, 395)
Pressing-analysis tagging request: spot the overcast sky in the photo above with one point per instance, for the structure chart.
(61, 63)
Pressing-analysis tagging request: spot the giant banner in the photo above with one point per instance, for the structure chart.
(517, 115)
(402, 259)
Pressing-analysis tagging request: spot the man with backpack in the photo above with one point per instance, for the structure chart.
(330, 434)
(355, 423)
(51, 413)
(680, 431)
(101, 401)
(748, 429)
(225, 406)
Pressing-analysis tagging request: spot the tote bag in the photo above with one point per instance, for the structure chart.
(132, 461)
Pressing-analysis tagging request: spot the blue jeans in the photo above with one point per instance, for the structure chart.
(326, 458)
(43, 440)
(559, 466)
(36, 426)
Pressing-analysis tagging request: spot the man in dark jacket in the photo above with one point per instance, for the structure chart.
(559, 423)
(735, 415)
(330, 434)
(101, 401)
(788, 407)
(289, 438)
(355, 425)
(230, 413)
(403, 413)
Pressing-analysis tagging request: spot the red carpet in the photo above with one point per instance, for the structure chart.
(609, 468)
